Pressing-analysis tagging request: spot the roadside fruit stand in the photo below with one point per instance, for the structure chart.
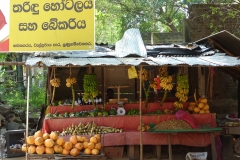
(184, 121)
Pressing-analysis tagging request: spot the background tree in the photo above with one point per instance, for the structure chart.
(114, 17)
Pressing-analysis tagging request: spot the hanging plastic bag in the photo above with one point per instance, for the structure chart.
(132, 72)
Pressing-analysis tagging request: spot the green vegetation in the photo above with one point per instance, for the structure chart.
(13, 89)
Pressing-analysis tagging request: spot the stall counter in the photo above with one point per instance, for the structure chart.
(130, 135)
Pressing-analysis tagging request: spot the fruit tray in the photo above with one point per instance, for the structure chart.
(187, 130)
(59, 156)
(81, 156)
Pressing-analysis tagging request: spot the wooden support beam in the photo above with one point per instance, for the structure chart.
(169, 147)
(211, 41)
(238, 93)
(12, 63)
(213, 147)
(158, 152)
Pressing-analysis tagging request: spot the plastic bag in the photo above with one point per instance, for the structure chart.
(180, 114)
(196, 156)
(132, 72)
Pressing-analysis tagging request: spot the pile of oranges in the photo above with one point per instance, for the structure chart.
(199, 107)
(44, 143)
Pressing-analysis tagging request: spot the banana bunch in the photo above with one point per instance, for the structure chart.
(153, 85)
(144, 74)
(166, 82)
(90, 87)
(182, 87)
(70, 81)
(178, 104)
(55, 82)
(163, 71)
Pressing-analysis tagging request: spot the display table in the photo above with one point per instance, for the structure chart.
(151, 107)
(129, 123)
(130, 135)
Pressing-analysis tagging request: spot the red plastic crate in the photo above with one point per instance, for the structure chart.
(113, 152)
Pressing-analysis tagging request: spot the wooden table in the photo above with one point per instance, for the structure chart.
(210, 131)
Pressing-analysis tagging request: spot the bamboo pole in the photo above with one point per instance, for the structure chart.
(27, 112)
(140, 113)
(211, 87)
(104, 85)
(208, 83)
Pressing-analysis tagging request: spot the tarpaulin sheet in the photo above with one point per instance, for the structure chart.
(130, 135)
(133, 138)
(151, 107)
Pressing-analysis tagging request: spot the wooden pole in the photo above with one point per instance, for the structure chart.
(238, 98)
(12, 63)
(140, 113)
(103, 86)
(27, 112)
(211, 87)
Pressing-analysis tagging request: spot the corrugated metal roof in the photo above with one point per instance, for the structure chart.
(130, 50)
(217, 60)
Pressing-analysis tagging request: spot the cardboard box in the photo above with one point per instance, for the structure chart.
(113, 152)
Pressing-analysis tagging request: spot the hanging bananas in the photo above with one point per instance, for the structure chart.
(178, 104)
(182, 90)
(55, 82)
(166, 82)
(163, 71)
(70, 81)
(90, 87)
(153, 85)
(144, 76)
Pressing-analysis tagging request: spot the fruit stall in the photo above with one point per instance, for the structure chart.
(78, 110)
(73, 118)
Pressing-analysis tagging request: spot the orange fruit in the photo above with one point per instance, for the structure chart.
(201, 111)
(207, 111)
(200, 105)
(206, 107)
(196, 109)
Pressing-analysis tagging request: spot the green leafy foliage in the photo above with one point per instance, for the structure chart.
(38, 90)
(11, 94)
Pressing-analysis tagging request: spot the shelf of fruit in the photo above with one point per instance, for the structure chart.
(104, 113)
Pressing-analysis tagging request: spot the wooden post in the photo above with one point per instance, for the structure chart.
(238, 98)
(158, 151)
(140, 113)
(130, 151)
(201, 81)
(213, 147)
(169, 147)
(103, 85)
(27, 120)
